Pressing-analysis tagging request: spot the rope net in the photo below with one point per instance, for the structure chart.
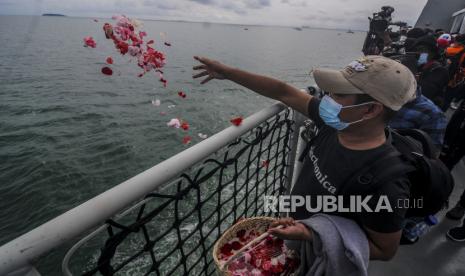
(173, 230)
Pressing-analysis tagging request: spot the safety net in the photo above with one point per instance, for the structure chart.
(173, 230)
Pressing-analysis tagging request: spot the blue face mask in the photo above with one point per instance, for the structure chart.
(423, 59)
(329, 112)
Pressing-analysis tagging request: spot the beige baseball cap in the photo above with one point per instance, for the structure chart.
(384, 79)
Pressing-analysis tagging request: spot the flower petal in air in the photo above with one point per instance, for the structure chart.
(182, 94)
(107, 71)
(89, 42)
(165, 82)
(109, 60)
(237, 121)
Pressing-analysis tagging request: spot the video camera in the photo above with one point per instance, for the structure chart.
(375, 41)
(381, 20)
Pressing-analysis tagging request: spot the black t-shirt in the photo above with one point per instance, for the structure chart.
(329, 165)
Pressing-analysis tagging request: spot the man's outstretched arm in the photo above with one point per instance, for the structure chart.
(266, 86)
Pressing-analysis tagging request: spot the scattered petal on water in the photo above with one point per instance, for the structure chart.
(185, 126)
(182, 94)
(174, 123)
(109, 60)
(167, 44)
(156, 102)
(203, 136)
(186, 140)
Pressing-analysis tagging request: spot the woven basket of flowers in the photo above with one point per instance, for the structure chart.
(247, 249)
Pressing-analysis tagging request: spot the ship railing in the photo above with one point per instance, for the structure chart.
(166, 220)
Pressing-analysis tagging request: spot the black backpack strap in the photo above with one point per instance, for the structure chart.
(396, 162)
(404, 143)
(382, 171)
(387, 167)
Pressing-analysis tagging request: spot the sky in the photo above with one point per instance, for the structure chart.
(339, 14)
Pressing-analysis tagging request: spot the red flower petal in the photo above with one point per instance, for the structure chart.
(165, 82)
(123, 47)
(182, 94)
(185, 126)
(237, 121)
(107, 71)
(240, 233)
(266, 265)
(108, 29)
(236, 245)
(150, 41)
(89, 42)
(265, 163)
(186, 140)
(226, 248)
(269, 241)
(109, 60)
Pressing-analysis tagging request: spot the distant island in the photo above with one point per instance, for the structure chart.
(53, 14)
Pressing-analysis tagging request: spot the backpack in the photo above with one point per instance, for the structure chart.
(412, 154)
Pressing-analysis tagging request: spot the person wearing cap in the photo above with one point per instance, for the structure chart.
(352, 119)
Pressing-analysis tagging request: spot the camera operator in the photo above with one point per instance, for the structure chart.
(375, 41)
(379, 36)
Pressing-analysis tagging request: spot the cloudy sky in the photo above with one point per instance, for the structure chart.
(316, 13)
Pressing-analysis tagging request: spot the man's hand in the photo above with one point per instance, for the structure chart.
(211, 68)
(292, 230)
(383, 246)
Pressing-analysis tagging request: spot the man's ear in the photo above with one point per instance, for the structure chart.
(374, 110)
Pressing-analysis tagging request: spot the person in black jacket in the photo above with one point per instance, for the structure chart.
(433, 77)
